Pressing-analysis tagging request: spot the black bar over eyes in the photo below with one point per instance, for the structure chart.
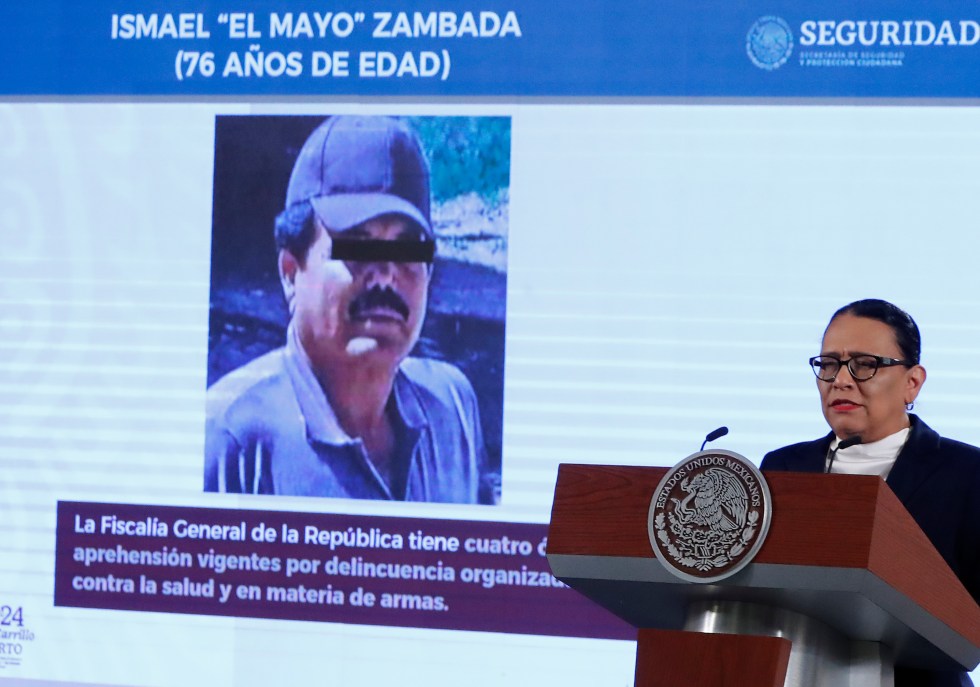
(382, 250)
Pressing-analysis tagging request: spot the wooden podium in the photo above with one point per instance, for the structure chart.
(845, 586)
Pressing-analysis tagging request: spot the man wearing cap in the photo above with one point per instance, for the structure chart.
(341, 410)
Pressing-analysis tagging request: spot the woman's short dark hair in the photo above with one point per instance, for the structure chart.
(296, 229)
(901, 323)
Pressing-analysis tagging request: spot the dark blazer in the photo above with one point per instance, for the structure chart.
(938, 481)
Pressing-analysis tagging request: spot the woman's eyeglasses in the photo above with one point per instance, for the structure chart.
(861, 367)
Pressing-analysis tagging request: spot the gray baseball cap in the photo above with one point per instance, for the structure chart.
(355, 168)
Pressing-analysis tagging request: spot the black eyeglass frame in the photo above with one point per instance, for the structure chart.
(880, 362)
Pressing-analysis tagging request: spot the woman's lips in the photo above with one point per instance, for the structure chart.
(844, 405)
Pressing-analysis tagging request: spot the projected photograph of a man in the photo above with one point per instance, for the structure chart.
(369, 389)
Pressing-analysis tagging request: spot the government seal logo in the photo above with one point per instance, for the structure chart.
(709, 516)
(769, 43)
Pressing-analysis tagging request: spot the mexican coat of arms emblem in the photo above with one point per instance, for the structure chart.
(709, 516)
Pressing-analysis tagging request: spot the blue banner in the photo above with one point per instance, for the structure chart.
(493, 48)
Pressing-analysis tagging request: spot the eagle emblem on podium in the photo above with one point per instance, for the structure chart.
(709, 516)
(720, 501)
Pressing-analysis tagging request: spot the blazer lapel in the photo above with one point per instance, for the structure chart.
(815, 458)
(916, 461)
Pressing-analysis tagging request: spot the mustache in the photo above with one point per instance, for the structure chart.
(378, 297)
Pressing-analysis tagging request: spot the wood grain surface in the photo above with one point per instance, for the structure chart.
(668, 658)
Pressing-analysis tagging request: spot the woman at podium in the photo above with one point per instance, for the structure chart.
(869, 375)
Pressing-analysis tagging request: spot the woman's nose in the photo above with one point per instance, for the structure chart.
(843, 378)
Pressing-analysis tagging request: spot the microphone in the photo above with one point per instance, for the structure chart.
(847, 443)
(716, 434)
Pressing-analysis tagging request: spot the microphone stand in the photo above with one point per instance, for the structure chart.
(847, 443)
